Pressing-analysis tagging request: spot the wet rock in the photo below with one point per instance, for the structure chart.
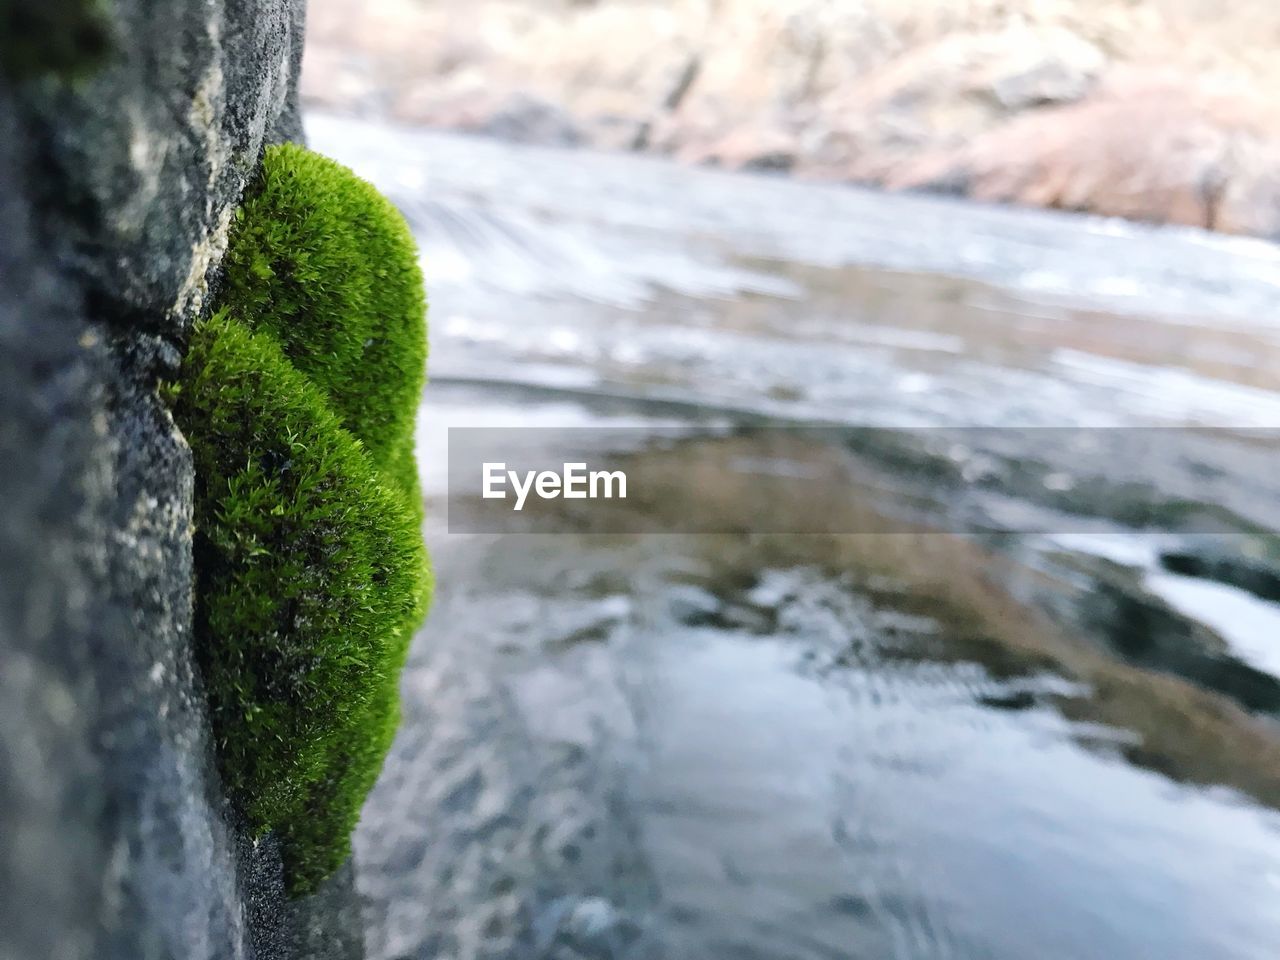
(1145, 630)
(1013, 701)
(116, 190)
(1251, 574)
(326, 925)
(694, 607)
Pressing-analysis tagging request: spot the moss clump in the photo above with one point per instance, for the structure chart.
(335, 280)
(298, 398)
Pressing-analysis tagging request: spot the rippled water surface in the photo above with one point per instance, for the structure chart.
(936, 738)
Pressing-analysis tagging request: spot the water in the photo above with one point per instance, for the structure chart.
(934, 740)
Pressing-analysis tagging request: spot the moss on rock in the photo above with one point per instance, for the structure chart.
(336, 281)
(298, 399)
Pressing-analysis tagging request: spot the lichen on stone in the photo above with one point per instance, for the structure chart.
(298, 397)
(204, 254)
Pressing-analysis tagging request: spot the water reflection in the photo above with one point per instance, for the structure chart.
(963, 744)
(807, 747)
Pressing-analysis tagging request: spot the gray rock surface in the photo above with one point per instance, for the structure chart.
(116, 191)
(141, 165)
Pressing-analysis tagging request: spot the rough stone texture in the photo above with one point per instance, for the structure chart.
(141, 165)
(115, 195)
(328, 925)
(54, 483)
(1022, 102)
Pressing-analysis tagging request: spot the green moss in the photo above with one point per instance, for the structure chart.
(65, 38)
(338, 285)
(298, 398)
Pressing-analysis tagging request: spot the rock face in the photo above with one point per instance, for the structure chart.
(1049, 103)
(1145, 147)
(116, 190)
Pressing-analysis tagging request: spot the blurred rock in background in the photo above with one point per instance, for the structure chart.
(1148, 109)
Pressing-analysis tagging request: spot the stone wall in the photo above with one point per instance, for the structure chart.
(119, 174)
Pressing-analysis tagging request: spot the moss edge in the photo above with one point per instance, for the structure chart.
(298, 398)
